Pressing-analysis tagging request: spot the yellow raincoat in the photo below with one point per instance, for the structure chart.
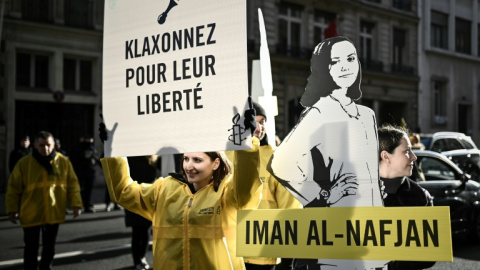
(190, 231)
(274, 196)
(42, 197)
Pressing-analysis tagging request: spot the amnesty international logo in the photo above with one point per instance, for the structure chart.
(207, 211)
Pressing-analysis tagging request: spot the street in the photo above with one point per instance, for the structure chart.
(101, 241)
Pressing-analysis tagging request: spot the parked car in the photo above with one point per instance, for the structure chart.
(458, 147)
(450, 186)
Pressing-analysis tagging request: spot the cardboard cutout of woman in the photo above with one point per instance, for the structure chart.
(329, 159)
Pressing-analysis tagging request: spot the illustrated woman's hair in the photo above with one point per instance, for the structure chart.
(320, 82)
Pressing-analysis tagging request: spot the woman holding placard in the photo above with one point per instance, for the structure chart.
(194, 213)
(396, 164)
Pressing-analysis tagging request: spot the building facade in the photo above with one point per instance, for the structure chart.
(385, 34)
(50, 71)
(449, 63)
(417, 65)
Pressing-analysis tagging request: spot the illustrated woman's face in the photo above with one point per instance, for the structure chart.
(401, 161)
(199, 168)
(344, 65)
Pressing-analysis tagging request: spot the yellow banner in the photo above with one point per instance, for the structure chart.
(350, 233)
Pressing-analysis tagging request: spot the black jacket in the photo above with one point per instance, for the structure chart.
(403, 191)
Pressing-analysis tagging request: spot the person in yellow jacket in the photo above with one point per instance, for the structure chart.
(194, 214)
(274, 195)
(41, 183)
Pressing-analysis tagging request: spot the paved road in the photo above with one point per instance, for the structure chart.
(92, 241)
(101, 241)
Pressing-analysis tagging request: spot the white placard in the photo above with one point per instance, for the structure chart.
(175, 76)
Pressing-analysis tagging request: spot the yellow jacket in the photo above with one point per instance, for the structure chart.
(42, 197)
(274, 196)
(190, 231)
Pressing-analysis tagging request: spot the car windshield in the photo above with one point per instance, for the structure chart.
(447, 144)
(467, 144)
(434, 169)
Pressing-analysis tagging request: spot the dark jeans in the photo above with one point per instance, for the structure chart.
(86, 181)
(140, 239)
(31, 238)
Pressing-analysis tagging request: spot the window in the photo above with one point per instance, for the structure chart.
(77, 75)
(434, 169)
(38, 10)
(405, 5)
(463, 36)
(439, 30)
(366, 37)
(79, 13)
(289, 26)
(399, 37)
(439, 102)
(478, 40)
(32, 70)
(322, 21)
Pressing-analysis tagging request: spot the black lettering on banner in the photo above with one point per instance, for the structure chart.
(247, 232)
(197, 97)
(384, 231)
(276, 233)
(194, 67)
(313, 233)
(180, 100)
(325, 242)
(399, 234)
(187, 92)
(146, 47)
(155, 73)
(199, 36)
(176, 40)
(166, 100)
(290, 233)
(155, 49)
(166, 42)
(412, 234)
(262, 232)
(188, 38)
(177, 99)
(212, 29)
(353, 233)
(128, 49)
(156, 103)
(369, 234)
(428, 232)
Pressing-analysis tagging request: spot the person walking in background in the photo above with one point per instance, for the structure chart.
(22, 149)
(416, 141)
(41, 184)
(58, 147)
(84, 161)
(143, 168)
(274, 195)
(396, 164)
